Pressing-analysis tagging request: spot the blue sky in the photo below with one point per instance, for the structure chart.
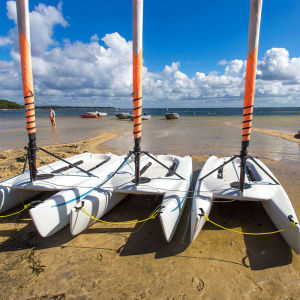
(194, 53)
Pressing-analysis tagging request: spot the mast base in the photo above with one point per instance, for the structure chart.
(142, 180)
(236, 185)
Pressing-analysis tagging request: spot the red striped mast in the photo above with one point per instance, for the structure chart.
(137, 55)
(253, 39)
(26, 66)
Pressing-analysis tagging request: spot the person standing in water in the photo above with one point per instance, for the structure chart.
(52, 117)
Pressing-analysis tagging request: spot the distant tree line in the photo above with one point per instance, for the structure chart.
(5, 104)
(62, 107)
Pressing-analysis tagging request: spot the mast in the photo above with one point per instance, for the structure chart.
(26, 66)
(253, 39)
(137, 54)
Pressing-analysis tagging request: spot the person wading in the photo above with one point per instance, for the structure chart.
(52, 117)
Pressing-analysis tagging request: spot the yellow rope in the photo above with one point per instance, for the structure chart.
(207, 219)
(151, 217)
(25, 207)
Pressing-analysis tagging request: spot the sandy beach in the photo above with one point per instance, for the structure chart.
(135, 262)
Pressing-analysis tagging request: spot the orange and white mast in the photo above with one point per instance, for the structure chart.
(253, 39)
(26, 66)
(137, 55)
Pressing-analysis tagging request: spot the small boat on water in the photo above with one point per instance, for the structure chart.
(91, 116)
(144, 117)
(123, 115)
(242, 177)
(171, 115)
(97, 113)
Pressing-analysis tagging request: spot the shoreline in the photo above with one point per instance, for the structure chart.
(284, 135)
(12, 160)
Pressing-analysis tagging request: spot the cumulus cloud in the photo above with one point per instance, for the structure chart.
(43, 19)
(168, 70)
(236, 68)
(99, 72)
(213, 73)
(94, 38)
(4, 41)
(223, 62)
(277, 65)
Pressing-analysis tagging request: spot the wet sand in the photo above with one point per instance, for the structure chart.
(134, 262)
(284, 135)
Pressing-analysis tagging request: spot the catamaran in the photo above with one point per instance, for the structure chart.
(70, 178)
(167, 175)
(242, 177)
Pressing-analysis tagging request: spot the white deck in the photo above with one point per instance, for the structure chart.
(173, 188)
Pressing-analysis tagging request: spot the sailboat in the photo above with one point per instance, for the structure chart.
(242, 177)
(69, 179)
(167, 175)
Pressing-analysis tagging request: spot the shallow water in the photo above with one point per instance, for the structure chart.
(195, 134)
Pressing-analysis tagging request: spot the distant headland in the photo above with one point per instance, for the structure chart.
(5, 104)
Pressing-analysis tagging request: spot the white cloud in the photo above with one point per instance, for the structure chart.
(11, 11)
(43, 19)
(213, 73)
(74, 73)
(94, 38)
(223, 62)
(236, 68)
(277, 65)
(4, 41)
(169, 70)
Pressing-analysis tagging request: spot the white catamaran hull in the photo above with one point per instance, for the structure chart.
(123, 115)
(172, 115)
(97, 113)
(218, 186)
(144, 117)
(70, 183)
(173, 189)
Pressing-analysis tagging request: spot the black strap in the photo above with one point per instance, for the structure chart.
(31, 95)
(30, 116)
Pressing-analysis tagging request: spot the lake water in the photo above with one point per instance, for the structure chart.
(197, 131)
